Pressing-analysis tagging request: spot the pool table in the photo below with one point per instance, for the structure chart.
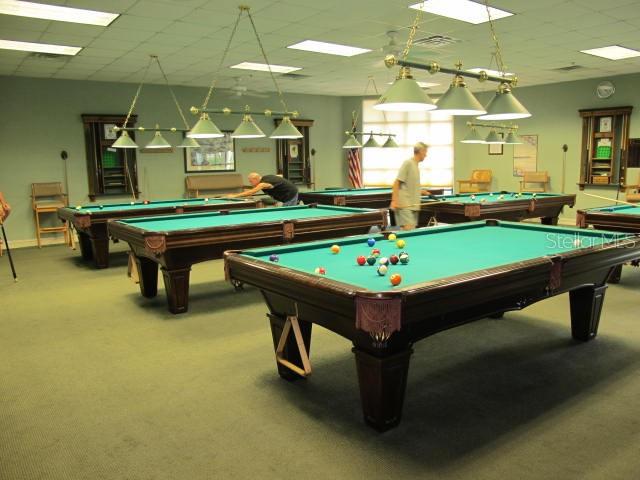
(355, 197)
(465, 207)
(179, 241)
(90, 221)
(620, 218)
(456, 274)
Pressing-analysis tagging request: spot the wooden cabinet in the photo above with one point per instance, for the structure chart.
(111, 171)
(605, 138)
(293, 155)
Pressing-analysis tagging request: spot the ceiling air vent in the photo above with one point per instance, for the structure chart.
(48, 56)
(294, 76)
(568, 68)
(435, 41)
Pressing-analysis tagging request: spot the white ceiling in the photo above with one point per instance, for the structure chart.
(189, 36)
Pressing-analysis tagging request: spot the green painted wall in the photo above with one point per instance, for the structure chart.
(41, 117)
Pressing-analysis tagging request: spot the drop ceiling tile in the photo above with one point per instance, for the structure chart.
(189, 29)
(20, 35)
(125, 34)
(132, 22)
(212, 19)
(112, 6)
(10, 22)
(172, 39)
(162, 10)
(101, 52)
(112, 44)
(65, 28)
(622, 12)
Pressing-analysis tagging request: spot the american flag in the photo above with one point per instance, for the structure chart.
(355, 169)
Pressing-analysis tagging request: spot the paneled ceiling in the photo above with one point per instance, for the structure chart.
(189, 36)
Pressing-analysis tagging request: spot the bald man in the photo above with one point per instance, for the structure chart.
(278, 188)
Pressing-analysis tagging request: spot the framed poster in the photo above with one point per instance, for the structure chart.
(214, 155)
(109, 132)
(497, 148)
(605, 124)
(525, 155)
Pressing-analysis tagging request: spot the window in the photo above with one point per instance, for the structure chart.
(380, 165)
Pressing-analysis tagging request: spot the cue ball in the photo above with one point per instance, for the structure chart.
(100, 207)
(577, 242)
(146, 202)
(395, 279)
(473, 197)
(501, 197)
(392, 237)
(382, 270)
(335, 248)
(320, 271)
(133, 203)
(375, 252)
(383, 261)
(393, 259)
(404, 258)
(361, 260)
(400, 243)
(371, 242)
(206, 199)
(371, 260)
(79, 207)
(274, 258)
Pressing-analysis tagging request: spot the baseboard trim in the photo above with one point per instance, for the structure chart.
(32, 242)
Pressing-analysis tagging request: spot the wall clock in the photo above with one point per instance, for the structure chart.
(605, 89)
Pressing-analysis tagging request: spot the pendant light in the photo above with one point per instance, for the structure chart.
(493, 138)
(512, 139)
(371, 143)
(352, 142)
(504, 106)
(189, 143)
(473, 137)
(158, 141)
(390, 143)
(285, 130)
(458, 100)
(205, 128)
(247, 129)
(124, 141)
(405, 95)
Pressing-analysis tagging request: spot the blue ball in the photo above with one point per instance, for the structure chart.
(274, 258)
(371, 242)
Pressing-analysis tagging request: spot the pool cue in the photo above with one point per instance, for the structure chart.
(128, 175)
(6, 244)
(612, 199)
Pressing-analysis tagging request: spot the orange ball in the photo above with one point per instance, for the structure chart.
(395, 279)
(335, 248)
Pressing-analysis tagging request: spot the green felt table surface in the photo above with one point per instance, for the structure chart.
(434, 252)
(490, 197)
(167, 223)
(352, 191)
(618, 210)
(107, 207)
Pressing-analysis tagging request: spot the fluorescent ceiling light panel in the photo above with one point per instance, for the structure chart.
(465, 10)
(613, 52)
(329, 48)
(55, 12)
(38, 47)
(263, 67)
(493, 73)
(421, 84)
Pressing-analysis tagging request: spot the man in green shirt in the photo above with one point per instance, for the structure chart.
(406, 191)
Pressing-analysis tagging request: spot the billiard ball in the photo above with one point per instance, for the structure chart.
(361, 260)
(79, 207)
(534, 195)
(404, 258)
(382, 270)
(501, 197)
(393, 259)
(100, 207)
(383, 260)
(375, 252)
(371, 242)
(133, 203)
(400, 243)
(274, 258)
(395, 279)
(335, 248)
(146, 202)
(206, 199)
(577, 242)
(483, 200)
(371, 260)
(473, 197)
(392, 237)
(320, 271)
(491, 194)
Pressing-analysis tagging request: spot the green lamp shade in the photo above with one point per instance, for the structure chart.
(158, 141)
(473, 137)
(505, 106)
(247, 129)
(189, 143)
(512, 139)
(371, 143)
(124, 141)
(205, 128)
(405, 95)
(459, 100)
(390, 143)
(493, 138)
(352, 142)
(286, 129)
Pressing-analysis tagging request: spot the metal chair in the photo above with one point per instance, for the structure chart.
(48, 198)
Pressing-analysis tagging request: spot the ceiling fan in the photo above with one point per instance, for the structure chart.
(239, 89)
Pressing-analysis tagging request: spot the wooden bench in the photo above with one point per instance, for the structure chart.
(215, 184)
(539, 179)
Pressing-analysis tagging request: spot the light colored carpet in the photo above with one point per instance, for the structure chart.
(97, 382)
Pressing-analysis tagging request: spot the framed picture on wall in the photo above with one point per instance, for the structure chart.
(525, 155)
(496, 148)
(214, 155)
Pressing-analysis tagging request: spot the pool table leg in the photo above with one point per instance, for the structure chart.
(586, 306)
(549, 220)
(85, 246)
(147, 276)
(382, 381)
(176, 284)
(615, 275)
(291, 352)
(100, 250)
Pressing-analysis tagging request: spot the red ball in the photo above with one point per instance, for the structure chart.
(395, 279)
(361, 260)
(394, 259)
(146, 202)
(321, 271)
